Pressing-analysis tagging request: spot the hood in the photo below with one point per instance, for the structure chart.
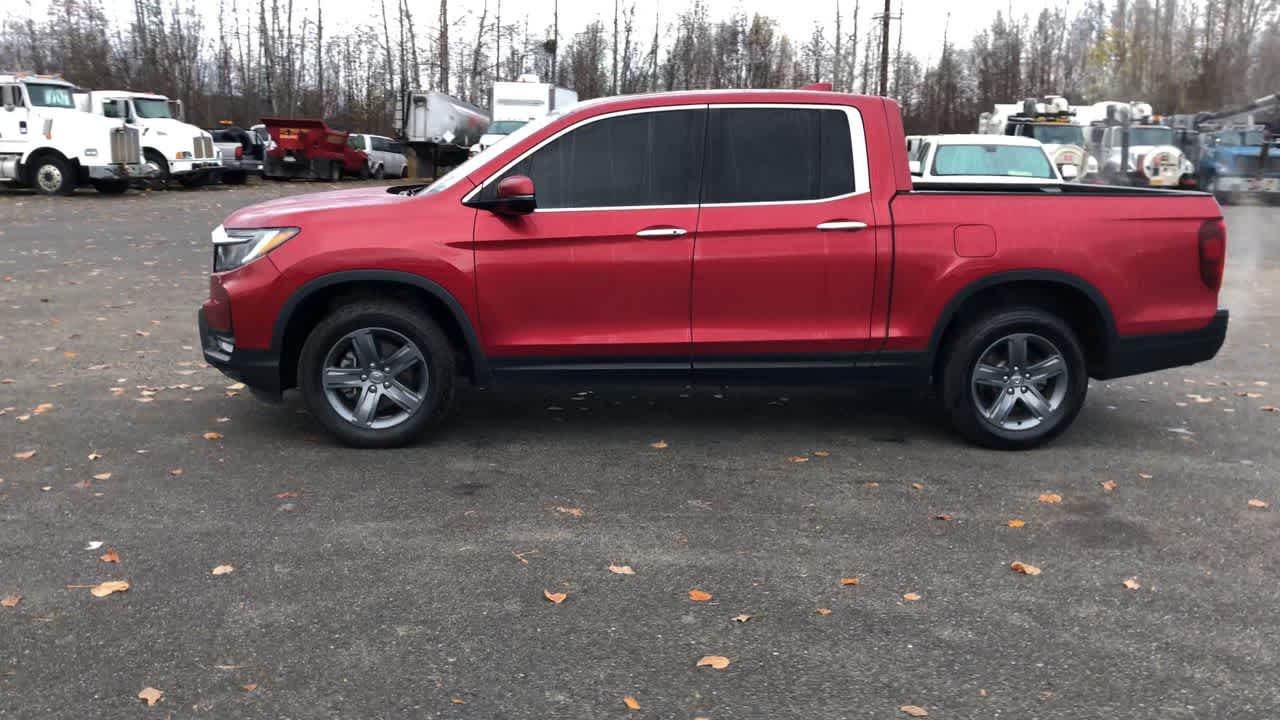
(79, 117)
(297, 210)
(170, 127)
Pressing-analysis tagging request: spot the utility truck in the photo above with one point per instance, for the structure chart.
(1134, 146)
(173, 149)
(48, 144)
(1235, 151)
(1052, 122)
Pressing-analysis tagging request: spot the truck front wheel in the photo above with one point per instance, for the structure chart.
(159, 168)
(51, 175)
(1014, 379)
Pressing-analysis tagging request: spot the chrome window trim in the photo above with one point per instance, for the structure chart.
(857, 137)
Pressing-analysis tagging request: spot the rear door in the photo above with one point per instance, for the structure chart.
(784, 266)
(598, 276)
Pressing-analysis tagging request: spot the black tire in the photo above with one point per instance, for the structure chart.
(51, 175)
(194, 180)
(404, 172)
(384, 315)
(235, 178)
(380, 173)
(160, 181)
(961, 395)
(335, 171)
(364, 171)
(111, 187)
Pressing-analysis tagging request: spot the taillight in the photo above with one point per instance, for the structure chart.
(239, 152)
(1213, 253)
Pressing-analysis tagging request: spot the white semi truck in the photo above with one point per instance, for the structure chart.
(1052, 122)
(516, 103)
(48, 144)
(171, 148)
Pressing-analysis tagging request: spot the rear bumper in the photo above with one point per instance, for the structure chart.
(1148, 353)
(258, 369)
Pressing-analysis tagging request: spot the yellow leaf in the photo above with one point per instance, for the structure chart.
(621, 570)
(660, 445)
(1050, 498)
(111, 586)
(68, 354)
(574, 511)
(222, 570)
(110, 556)
(1017, 523)
(42, 408)
(850, 581)
(911, 597)
(631, 703)
(150, 695)
(212, 436)
(914, 711)
(25, 454)
(1256, 503)
(457, 701)
(717, 662)
(1109, 485)
(1025, 569)
(823, 611)
(1132, 583)
(741, 618)
(555, 598)
(10, 601)
(102, 476)
(697, 595)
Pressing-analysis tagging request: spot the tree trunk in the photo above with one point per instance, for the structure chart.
(444, 46)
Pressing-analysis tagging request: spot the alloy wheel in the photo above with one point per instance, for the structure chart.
(375, 378)
(1020, 382)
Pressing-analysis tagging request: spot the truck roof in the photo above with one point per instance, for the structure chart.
(22, 76)
(129, 93)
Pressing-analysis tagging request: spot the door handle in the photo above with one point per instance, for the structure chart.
(669, 232)
(842, 225)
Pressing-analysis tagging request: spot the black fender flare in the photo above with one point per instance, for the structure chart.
(479, 364)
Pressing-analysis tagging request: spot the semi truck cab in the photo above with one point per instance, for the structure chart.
(173, 149)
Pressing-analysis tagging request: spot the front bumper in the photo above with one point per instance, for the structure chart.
(1148, 353)
(1238, 184)
(249, 166)
(118, 171)
(258, 369)
(182, 167)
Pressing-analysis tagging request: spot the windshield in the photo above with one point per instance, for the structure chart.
(151, 107)
(55, 96)
(1149, 136)
(452, 177)
(506, 127)
(1000, 160)
(1240, 138)
(1058, 134)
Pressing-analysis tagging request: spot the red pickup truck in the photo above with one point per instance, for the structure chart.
(720, 237)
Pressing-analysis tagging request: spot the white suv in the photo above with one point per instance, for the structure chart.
(386, 156)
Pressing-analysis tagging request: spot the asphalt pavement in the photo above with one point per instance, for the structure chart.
(412, 583)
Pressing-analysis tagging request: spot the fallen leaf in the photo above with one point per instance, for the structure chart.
(1109, 485)
(150, 695)
(717, 662)
(1025, 569)
(631, 703)
(1145, 476)
(457, 701)
(222, 570)
(660, 445)
(621, 570)
(574, 511)
(982, 692)
(1269, 408)
(93, 545)
(911, 597)
(798, 459)
(110, 556)
(821, 453)
(42, 408)
(697, 595)
(249, 687)
(823, 611)
(102, 476)
(68, 354)
(236, 386)
(228, 667)
(95, 456)
(1256, 503)
(917, 486)
(175, 472)
(555, 598)
(1017, 523)
(914, 711)
(847, 581)
(943, 517)
(212, 436)
(285, 495)
(1132, 583)
(108, 587)
(25, 454)
(10, 601)
(1050, 498)
(741, 618)
(872, 485)
(142, 333)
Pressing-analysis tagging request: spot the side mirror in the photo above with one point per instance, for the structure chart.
(1070, 172)
(915, 167)
(515, 196)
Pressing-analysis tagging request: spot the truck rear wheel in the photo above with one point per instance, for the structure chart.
(1014, 379)
(377, 373)
(51, 175)
(335, 171)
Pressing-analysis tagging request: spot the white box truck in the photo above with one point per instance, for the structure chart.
(171, 148)
(48, 144)
(516, 103)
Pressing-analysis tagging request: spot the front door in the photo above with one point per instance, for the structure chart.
(598, 277)
(15, 130)
(783, 273)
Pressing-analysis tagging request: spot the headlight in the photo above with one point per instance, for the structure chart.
(234, 248)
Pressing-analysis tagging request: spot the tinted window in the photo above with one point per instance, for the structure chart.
(380, 144)
(777, 154)
(638, 159)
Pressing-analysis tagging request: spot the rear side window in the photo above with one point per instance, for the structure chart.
(779, 154)
(638, 159)
(1001, 160)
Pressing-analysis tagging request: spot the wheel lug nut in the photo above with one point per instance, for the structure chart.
(1010, 391)
(386, 386)
(364, 377)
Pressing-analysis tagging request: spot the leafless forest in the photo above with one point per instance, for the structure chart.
(254, 57)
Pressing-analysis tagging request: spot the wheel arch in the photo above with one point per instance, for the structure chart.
(308, 304)
(1081, 305)
(35, 156)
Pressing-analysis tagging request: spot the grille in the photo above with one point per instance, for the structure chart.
(202, 147)
(125, 147)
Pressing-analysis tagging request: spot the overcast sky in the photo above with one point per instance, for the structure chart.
(925, 20)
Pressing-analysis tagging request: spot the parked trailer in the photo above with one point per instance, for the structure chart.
(308, 148)
(438, 129)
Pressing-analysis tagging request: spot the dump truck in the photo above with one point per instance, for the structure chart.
(307, 148)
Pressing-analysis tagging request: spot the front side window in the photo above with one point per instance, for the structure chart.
(999, 160)
(637, 159)
(54, 96)
(1149, 136)
(152, 107)
(760, 155)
